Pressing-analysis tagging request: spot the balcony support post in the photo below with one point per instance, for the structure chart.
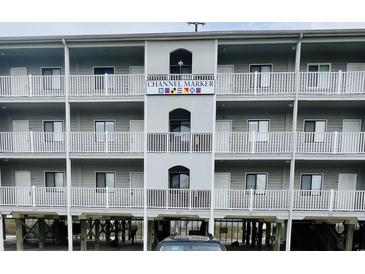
(214, 110)
(145, 183)
(30, 84)
(83, 234)
(255, 83)
(330, 207)
(41, 233)
(349, 236)
(2, 232)
(33, 196)
(294, 144)
(335, 141)
(106, 83)
(339, 82)
(19, 232)
(67, 144)
(278, 232)
(31, 133)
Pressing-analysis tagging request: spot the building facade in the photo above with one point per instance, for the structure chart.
(262, 127)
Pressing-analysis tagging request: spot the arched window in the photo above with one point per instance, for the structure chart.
(179, 177)
(181, 61)
(179, 120)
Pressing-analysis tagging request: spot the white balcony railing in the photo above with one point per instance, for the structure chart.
(32, 85)
(179, 142)
(281, 83)
(178, 198)
(124, 142)
(253, 142)
(329, 200)
(331, 142)
(225, 142)
(32, 142)
(267, 83)
(107, 85)
(251, 199)
(189, 199)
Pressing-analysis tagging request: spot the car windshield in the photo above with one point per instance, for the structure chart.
(190, 246)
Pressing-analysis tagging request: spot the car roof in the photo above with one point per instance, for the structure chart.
(189, 238)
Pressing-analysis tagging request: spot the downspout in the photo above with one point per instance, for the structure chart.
(294, 142)
(67, 145)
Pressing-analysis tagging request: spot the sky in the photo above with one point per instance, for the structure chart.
(40, 29)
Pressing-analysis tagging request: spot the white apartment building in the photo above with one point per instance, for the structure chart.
(264, 128)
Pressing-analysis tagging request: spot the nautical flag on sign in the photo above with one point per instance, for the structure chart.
(160, 90)
(179, 90)
(192, 90)
(167, 90)
(173, 90)
(186, 90)
(198, 90)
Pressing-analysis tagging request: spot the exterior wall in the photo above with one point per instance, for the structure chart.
(279, 120)
(83, 64)
(334, 117)
(35, 118)
(282, 61)
(337, 59)
(36, 167)
(85, 120)
(83, 172)
(200, 107)
(277, 173)
(330, 173)
(199, 165)
(33, 63)
(158, 56)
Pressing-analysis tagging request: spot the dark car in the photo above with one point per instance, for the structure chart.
(190, 243)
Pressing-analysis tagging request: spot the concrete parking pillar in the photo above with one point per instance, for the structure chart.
(97, 234)
(2, 232)
(41, 232)
(349, 236)
(149, 235)
(278, 232)
(123, 231)
(83, 235)
(19, 232)
(107, 232)
(267, 234)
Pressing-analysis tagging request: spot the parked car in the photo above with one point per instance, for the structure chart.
(190, 243)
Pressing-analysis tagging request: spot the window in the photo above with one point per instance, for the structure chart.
(53, 81)
(105, 179)
(179, 122)
(318, 78)
(55, 130)
(317, 128)
(99, 81)
(181, 62)
(261, 128)
(101, 127)
(256, 181)
(54, 179)
(312, 182)
(263, 77)
(179, 177)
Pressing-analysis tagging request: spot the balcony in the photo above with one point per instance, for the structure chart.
(80, 85)
(32, 142)
(106, 142)
(283, 83)
(234, 143)
(325, 201)
(179, 142)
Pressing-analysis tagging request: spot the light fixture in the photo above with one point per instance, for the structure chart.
(4, 107)
(290, 105)
(2, 53)
(180, 64)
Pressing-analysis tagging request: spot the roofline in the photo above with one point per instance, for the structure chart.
(203, 35)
